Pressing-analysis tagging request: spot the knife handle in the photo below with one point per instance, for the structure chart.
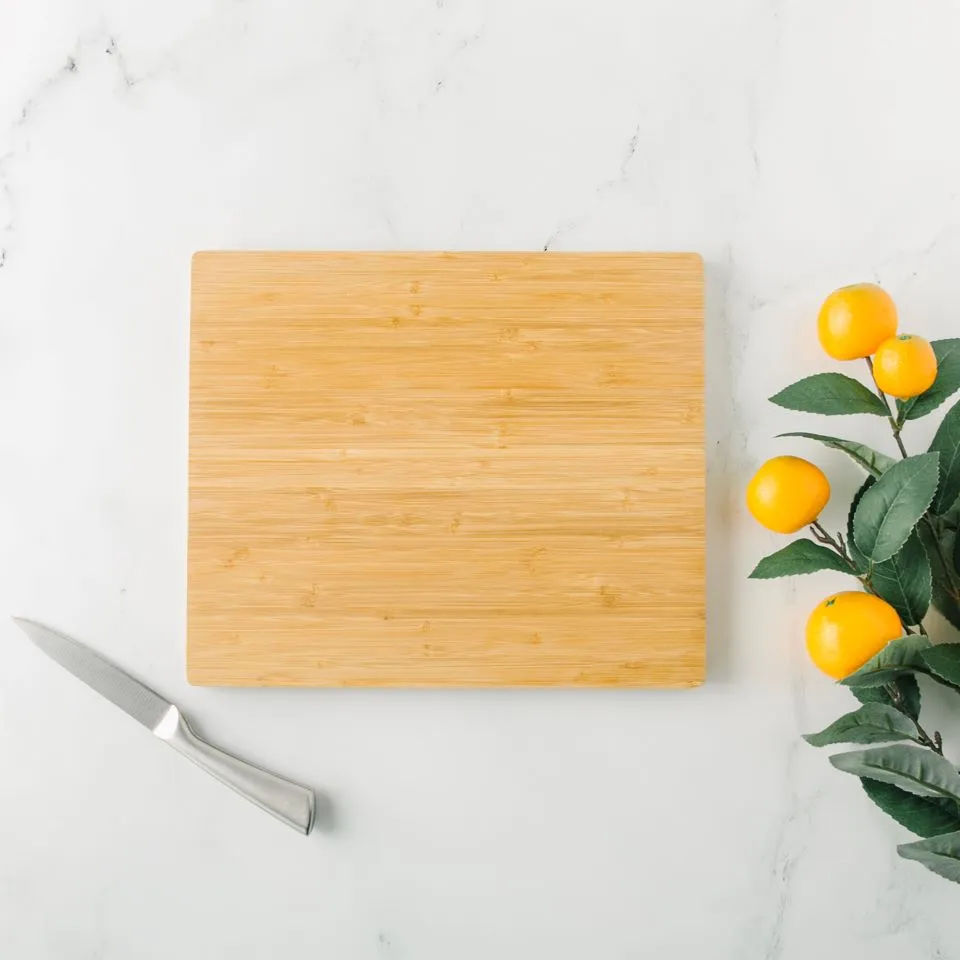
(290, 802)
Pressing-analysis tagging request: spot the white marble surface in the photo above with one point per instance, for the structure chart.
(797, 144)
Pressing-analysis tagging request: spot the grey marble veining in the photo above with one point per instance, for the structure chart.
(797, 146)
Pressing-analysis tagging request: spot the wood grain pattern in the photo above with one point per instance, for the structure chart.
(428, 469)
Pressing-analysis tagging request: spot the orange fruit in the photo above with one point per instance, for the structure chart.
(855, 320)
(787, 493)
(847, 629)
(905, 366)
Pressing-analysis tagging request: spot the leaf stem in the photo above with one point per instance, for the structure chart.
(840, 547)
(895, 424)
(837, 544)
(935, 743)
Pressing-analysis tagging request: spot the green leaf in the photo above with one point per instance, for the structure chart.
(944, 661)
(905, 581)
(939, 854)
(945, 604)
(874, 462)
(907, 688)
(947, 382)
(897, 657)
(948, 607)
(952, 517)
(924, 816)
(872, 723)
(830, 393)
(914, 769)
(946, 442)
(799, 557)
(892, 507)
(856, 554)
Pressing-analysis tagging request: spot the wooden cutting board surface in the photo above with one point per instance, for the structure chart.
(439, 469)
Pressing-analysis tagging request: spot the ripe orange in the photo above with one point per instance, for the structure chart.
(847, 629)
(905, 366)
(787, 493)
(855, 320)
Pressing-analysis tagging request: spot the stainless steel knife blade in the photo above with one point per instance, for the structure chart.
(290, 802)
(130, 695)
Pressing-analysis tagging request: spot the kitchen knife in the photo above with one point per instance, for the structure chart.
(287, 801)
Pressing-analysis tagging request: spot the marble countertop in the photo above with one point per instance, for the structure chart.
(796, 145)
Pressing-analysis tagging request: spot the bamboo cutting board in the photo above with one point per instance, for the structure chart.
(434, 469)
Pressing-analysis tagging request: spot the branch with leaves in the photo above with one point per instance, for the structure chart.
(901, 545)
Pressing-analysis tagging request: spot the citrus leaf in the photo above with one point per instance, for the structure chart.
(951, 519)
(939, 854)
(897, 657)
(862, 562)
(944, 661)
(906, 688)
(872, 723)
(874, 462)
(947, 382)
(892, 507)
(914, 769)
(830, 393)
(924, 816)
(905, 581)
(946, 442)
(948, 607)
(799, 557)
